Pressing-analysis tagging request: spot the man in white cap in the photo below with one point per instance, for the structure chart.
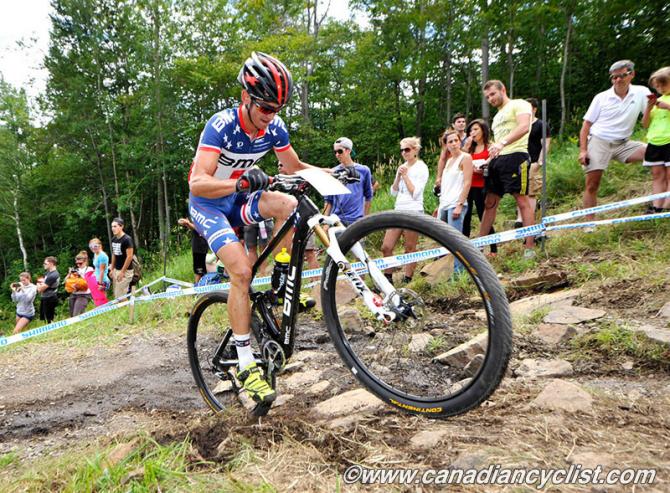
(354, 206)
(608, 125)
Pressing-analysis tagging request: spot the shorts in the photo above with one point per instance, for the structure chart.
(214, 219)
(199, 263)
(508, 174)
(657, 155)
(600, 152)
(535, 187)
(27, 317)
(253, 236)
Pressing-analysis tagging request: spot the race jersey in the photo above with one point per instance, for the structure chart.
(225, 133)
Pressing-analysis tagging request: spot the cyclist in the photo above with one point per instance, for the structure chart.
(227, 190)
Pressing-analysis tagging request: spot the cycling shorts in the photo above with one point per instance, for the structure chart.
(214, 219)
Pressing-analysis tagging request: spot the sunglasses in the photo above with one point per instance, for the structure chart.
(265, 109)
(405, 149)
(620, 76)
(338, 151)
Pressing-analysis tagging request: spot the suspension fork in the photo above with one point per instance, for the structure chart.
(373, 301)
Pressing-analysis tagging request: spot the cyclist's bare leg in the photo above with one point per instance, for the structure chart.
(391, 237)
(411, 238)
(279, 206)
(238, 267)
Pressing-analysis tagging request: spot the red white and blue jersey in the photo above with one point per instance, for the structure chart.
(215, 218)
(225, 133)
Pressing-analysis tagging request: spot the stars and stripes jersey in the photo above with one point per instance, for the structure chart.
(226, 134)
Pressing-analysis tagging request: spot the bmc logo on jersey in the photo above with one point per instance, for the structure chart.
(236, 162)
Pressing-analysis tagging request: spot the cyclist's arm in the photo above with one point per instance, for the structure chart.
(203, 183)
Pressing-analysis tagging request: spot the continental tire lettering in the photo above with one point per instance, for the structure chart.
(417, 409)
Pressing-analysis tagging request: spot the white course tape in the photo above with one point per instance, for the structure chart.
(604, 222)
(5, 341)
(382, 263)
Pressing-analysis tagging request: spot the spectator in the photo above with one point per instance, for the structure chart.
(122, 256)
(536, 159)
(657, 119)
(508, 168)
(199, 249)
(257, 235)
(81, 294)
(456, 180)
(350, 208)
(608, 125)
(459, 123)
(23, 294)
(48, 290)
(442, 160)
(375, 184)
(100, 274)
(479, 136)
(410, 181)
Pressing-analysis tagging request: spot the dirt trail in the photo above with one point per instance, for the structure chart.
(51, 398)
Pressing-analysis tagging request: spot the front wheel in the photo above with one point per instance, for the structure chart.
(450, 341)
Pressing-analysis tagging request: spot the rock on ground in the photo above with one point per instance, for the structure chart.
(661, 336)
(589, 459)
(526, 306)
(419, 342)
(559, 395)
(428, 438)
(554, 334)
(572, 315)
(544, 368)
(461, 355)
(358, 400)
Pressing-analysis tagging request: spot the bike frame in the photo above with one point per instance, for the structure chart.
(285, 334)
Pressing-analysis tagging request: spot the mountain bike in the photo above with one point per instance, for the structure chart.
(437, 346)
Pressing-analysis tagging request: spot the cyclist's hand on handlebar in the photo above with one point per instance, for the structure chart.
(254, 179)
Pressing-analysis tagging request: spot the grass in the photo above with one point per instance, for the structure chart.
(614, 341)
(149, 467)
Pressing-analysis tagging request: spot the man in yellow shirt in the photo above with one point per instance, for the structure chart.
(508, 170)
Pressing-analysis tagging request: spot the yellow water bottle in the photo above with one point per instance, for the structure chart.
(279, 273)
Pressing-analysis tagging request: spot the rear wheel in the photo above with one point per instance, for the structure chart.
(212, 354)
(449, 345)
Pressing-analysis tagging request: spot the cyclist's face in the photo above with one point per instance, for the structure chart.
(260, 112)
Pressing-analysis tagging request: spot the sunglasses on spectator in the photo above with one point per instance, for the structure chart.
(338, 151)
(405, 149)
(620, 76)
(265, 109)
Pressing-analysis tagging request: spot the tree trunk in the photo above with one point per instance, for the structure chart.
(105, 199)
(566, 53)
(420, 106)
(160, 202)
(447, 63)
(164, 215)
(468, 90)
(510, 62)
(398, 115)
(485, 74)
(133, 221)
(19, 235)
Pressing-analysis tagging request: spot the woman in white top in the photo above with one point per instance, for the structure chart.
(410, 181)
(455, 185)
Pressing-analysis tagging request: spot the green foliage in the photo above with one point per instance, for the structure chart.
(131, 84)
(615, 341)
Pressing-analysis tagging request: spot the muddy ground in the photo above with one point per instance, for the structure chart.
(54, 398)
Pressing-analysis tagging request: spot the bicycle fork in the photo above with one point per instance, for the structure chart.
(375, 303)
